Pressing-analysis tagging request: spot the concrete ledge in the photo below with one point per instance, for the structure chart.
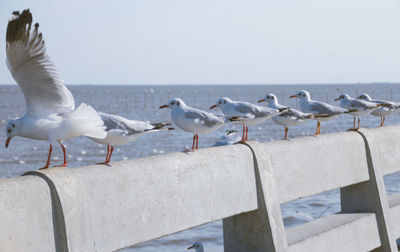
(339, 232)
(385, 147)
(317, 164)
(107, 208)
(394, 210)
(26, 215)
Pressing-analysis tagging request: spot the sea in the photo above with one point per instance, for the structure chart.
(142, 103)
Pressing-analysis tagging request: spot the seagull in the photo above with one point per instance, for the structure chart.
(194, 120)
(51, 113)
(360, 107)
(198, 246)
(231, 137)
(383, 111)
(121, 131)
(291, 117)
(249, 114)
(316, 107)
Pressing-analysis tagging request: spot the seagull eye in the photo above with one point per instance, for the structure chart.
(177, 103)
(13, 125)
(9, 131)
(172, 103)
(224, 102)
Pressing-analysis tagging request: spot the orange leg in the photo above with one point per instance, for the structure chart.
(109, 156)
(108, 151)
(358, 124)
(197, 141)
(286, 130)
(354, 123)
(318, 131)
(243, 130)
(194, 140)
(65, 156)
(247, 131)
(48, 158)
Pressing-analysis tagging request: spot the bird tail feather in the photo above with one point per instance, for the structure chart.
(89, 121)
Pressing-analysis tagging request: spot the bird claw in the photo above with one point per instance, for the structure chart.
(63, 165)
(43, 168)
(103, 163)
(353, 129)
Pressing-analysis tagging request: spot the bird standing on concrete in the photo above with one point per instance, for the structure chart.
(198, 246)
(308, 105)
(51, 113)
(121, 131)
(359, 107)
(249, 114)
(383, 111)
(291, 117)
(194, 120)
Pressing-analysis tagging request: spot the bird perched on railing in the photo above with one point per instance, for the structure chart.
(51, 113)
(121, 131)
(249, 113)
(383, 111)
(308, 105)
(198, 246)
(359, 107)
(195, 120)
(291, 117)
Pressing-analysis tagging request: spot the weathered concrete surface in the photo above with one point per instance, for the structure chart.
(26, 215)
(385, 147)
(107, 208)
(370, 197)
(339, 232)
(263, 229)
(394, 210)
(317, 164)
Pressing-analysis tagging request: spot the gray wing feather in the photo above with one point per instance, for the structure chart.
(207, 118)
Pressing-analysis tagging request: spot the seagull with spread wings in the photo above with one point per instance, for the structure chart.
(51, 114)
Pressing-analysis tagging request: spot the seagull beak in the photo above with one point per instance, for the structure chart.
(190, 247)
(337, 99)
(213, 106)
(293, 96)
(163, 106)
(8, 141)
(262, 100)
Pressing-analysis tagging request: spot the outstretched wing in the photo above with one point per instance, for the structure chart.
(36, 75)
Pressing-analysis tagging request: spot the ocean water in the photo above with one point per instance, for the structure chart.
(142, 102)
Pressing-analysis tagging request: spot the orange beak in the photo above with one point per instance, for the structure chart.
(8, 141)
(190, 247)
(163, 106)
(337, 99)
(213, 106)
(262, 100)
(293, 96)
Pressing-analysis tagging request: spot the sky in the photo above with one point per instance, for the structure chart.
(216, 41)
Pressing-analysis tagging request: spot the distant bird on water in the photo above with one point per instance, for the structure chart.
(198, 246)
(121, 131)
(51, 113)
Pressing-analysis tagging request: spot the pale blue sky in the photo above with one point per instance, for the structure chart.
(216, 41)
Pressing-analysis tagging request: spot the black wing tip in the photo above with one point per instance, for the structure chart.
(160, 125)
(16, 28)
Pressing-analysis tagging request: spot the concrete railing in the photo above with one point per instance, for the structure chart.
(100, 208)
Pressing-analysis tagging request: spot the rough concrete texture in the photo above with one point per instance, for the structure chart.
(107, 208)
(394, 210)
(26, 215)
(263, 229)
(385, 147)
(311, 165)
(340, 232)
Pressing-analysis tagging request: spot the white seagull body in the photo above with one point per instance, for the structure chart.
(291, 117)
(51, 113)
(121, 131)
(308, 105)
(381, 112)
(249, 114)
(193, 120)
(359, 107)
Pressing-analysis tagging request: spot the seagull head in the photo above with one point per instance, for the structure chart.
(221, 102)
(302, 94)
(198, 246)
(364, 97)
(343, 97)
(12, 130)
(270, 98)
(174, 103)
